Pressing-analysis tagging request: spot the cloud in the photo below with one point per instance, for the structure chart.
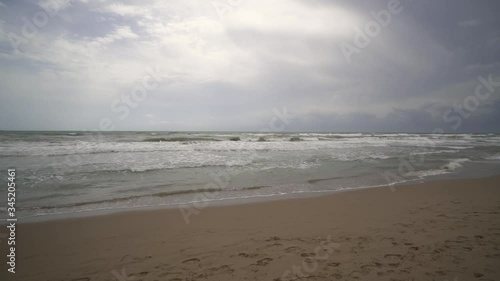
(127, 10)
(228, 70)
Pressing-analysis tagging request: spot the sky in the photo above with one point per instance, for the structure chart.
(241, 65)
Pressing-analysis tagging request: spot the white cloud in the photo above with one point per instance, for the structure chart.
(121, 32)
(127, 10)
(296, 17)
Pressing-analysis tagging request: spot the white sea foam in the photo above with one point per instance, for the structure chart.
(493, 157)
(455, 164)
(426, 173)
(435, 152)
(444, 169)
(459, 147)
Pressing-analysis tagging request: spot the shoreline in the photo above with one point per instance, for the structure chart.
(235, 200)
(436, 230)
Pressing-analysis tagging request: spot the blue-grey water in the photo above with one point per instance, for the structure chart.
(80, 172)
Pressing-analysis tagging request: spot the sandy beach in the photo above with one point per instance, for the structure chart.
(443, 230)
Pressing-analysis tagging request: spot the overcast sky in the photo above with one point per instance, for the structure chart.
(235, 64)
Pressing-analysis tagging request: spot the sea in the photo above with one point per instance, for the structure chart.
(67, 174)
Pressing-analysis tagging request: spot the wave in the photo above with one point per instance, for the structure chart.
(493, 157)
(129, 198)
(444, 169)
(93, 168)
(426, 173)
(455, 164)
(379, 157)
(103, 151)
(362, 157)
(179, 139)
(313, 181)
(60, 133)
(182, 166)
(435, 152)
(459, 147)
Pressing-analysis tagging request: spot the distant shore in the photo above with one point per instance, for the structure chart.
(442, 230)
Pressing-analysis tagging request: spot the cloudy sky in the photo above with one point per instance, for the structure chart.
(241, 65)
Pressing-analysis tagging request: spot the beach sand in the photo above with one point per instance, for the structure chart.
(443, 230)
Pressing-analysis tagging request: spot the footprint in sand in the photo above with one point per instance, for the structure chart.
(191, 260)
(334, 264)
(293, 249)
(274, 238)
(273, 245)
(368, 266)
(363, 238)
(245, 255)
(144, 273)
(393, 255)
(264, 262)
(345, 238)
(225, 269)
